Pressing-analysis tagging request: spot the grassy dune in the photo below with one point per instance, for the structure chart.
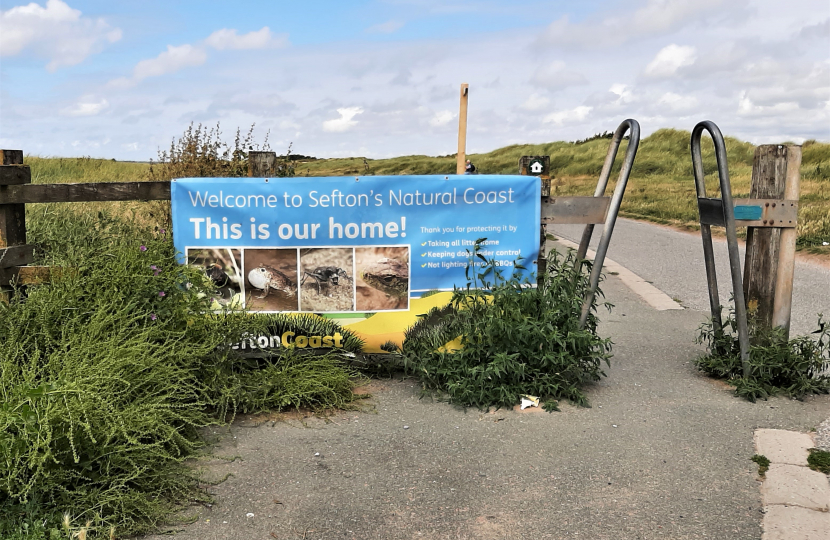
(661, 188)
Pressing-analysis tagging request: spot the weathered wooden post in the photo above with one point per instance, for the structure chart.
(770, 251)
(461, 160)
(261, 164)
(13, 248)
(539, 166)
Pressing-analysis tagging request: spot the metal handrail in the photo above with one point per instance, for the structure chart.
(633, 127)
(731, 237)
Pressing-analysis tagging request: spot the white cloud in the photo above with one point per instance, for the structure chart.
(535, 102)
(442, 118)
(85, 107)
(555, 76)
(387, 27)
(568, 116)
(747, 108)
(656, 17)
(670, 59)
(56, 32)
(228, 39)
(179, 57)
(170, 61)
(677, 103)
(623, 91)
(345, 122)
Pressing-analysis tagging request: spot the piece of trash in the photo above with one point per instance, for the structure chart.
(225, 522)
(316, 453)
(249, 514)
(825, 243)
(277, 501)
(613, 425)
(406, 427)
(529, 401)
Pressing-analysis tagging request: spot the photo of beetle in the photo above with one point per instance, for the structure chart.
(327, 279)
(327, 275)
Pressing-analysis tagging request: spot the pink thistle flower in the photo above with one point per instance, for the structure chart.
(142, 248)
(153, 317)
(162, 294)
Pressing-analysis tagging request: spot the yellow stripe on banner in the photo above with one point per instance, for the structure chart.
(391, 325)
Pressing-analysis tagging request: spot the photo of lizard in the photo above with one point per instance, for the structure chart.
(270, 279)
(382, 278)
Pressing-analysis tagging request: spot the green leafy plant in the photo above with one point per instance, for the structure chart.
(763, 464)
(512, 338)
(819, 460)
(778, 366)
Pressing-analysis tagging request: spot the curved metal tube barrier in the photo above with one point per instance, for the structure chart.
(720, 212)
(633, 127)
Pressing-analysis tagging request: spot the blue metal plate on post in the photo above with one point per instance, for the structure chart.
(749, 213)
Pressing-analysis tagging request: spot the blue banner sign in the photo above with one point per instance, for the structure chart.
(351, 244)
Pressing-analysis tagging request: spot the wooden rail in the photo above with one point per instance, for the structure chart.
(94, 192)
(16, 190)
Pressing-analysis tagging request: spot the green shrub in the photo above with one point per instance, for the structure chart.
(514, 339)
(819, 460)
(762, 462)
(793, 368)
(108, 372)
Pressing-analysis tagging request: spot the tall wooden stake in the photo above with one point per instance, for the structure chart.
(783, 302)
(462, 131)
(768, 283)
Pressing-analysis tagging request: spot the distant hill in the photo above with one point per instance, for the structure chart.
(660, 189)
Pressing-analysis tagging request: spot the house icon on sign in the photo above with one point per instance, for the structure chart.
(536, 167)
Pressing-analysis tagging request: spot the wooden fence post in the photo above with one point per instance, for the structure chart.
(783, 302)
(461, 160)
(262, 164)
(770, 252)
(543, 172)
(13, 248)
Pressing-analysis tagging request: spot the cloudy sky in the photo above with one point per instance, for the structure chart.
(380, 78)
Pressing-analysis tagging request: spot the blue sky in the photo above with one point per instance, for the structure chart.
(380, 78)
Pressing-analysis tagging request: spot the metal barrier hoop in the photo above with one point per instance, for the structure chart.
(706, 208)
(633, 127)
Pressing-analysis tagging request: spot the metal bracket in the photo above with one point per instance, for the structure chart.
(750, 212)
(766, 213)
(575, 210)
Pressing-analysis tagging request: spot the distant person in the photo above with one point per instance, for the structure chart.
(470, 168)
